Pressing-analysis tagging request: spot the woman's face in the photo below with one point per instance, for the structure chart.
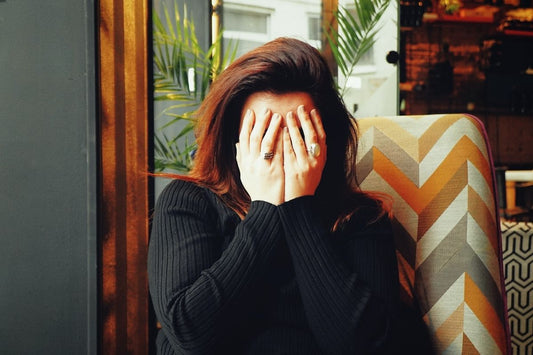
(277, 103)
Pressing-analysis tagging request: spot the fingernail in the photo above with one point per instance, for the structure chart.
(276, 116)
(266, 110)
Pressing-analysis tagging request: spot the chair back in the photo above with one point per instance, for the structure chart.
(439, 172)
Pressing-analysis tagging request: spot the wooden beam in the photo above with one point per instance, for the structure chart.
(124, 136)
(329, 7)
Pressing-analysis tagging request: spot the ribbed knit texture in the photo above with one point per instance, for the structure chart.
(274, 283)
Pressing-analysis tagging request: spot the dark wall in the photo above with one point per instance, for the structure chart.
(47, 177)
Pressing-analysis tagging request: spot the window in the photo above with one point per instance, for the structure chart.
(314, 27)
(250, 27)
(253, 23)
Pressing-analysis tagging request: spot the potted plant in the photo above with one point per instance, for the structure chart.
(182, 74)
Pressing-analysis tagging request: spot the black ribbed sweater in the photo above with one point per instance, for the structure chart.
(276, 282)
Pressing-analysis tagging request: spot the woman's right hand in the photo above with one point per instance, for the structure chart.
(261, 176)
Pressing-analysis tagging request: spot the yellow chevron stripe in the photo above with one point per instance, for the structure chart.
(484, 217)
(485, 314)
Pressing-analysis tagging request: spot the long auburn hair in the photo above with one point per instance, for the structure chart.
(280, 66)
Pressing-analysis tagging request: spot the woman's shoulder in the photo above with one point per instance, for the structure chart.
(191, 195)
(182, 186)
(182, 191)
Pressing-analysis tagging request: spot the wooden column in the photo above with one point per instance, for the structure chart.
(124, 136)
(329, 7)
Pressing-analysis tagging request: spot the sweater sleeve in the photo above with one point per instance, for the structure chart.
(349, 294)
(196, 287)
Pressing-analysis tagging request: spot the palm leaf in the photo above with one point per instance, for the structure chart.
(356, 35)
(177, 53)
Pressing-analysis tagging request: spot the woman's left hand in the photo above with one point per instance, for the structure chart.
(303, 170)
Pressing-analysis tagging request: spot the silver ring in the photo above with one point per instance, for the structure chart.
(268, 155)
(314, 150)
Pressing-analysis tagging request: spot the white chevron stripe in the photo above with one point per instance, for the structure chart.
(448, 303)
(416, 126)
(477, 181)
(477, 239)
(402, 211)
(442, 226)
(366, 143)
(478, 334)
(441, 149)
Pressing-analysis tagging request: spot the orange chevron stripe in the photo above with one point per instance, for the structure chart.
(442, 201)
(468, 347)
(483, 310)
(434, 132)
(483, 216)
(401, 183)
(417, 198)
(450, 329)
(464, 150)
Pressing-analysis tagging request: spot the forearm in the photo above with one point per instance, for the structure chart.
(195, 285)
(343, 310)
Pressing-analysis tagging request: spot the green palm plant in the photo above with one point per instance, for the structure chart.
(356, 34)
(182, 74)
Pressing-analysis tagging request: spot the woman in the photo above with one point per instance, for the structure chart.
(268, 246)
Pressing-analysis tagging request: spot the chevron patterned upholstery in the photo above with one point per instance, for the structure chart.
(439, 172)
(517, 242)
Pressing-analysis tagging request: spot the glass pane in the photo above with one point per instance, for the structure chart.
(314, 28)
(235, 20)
(243, 45)
(259, 21)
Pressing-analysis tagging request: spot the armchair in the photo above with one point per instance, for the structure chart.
(439, 172)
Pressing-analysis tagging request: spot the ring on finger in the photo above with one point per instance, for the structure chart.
(268, 155)
(314, 150)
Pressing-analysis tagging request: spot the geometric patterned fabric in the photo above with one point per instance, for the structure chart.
(439, 173)
(517, 238)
